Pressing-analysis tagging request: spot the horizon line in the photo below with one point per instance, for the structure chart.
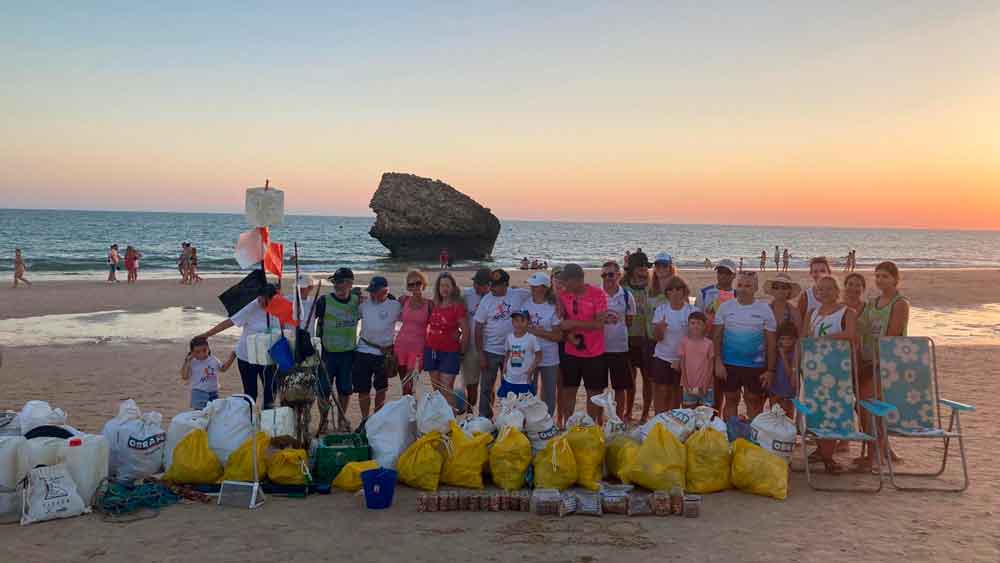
(521, 220)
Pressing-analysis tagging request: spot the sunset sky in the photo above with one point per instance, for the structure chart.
(788, 113)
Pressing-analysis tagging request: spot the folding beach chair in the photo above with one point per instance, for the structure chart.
(908, 378)
(826, 404)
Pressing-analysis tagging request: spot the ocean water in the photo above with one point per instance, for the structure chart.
(74, 243)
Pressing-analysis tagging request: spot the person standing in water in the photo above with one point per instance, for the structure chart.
(113, 259)
(763, 260)
(777, 258)
(785, 257)
(19, 268)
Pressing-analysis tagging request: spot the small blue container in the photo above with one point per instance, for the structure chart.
(380, 485)
(281, 353)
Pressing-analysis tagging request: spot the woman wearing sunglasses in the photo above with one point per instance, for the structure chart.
(784, 292)
(415, 314)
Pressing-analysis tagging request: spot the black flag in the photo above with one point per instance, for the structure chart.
(241, 294)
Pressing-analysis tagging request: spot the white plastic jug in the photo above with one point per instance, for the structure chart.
(259, 347)
(13, 460)
(86, 459)
(43, 451)
(278, 422)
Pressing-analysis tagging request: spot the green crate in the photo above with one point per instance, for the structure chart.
(336, 451)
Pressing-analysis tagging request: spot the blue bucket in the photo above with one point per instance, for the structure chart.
(281, 353)
(380, 485)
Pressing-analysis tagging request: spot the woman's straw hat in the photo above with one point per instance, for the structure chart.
(785, 278)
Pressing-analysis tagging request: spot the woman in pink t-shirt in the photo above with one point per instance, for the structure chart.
(415, 313)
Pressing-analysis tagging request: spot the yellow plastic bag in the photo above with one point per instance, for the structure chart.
(587, 443)
(555, 466)
(240, 464)
(758, 471)
(661, 463)
(708, 461)
(193, 462)
(349, 478)
(420, 465)
(464, 465)
(509, 459)
(285, 467)
(621, 454)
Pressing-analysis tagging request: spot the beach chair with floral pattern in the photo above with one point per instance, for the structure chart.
(827, 402)
(908, 378)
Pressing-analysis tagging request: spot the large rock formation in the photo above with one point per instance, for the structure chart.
(416, 217)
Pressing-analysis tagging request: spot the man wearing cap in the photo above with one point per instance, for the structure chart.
(492, 327)
(584, 309)
(711, 297)
(337, 315)
(640, 335)
(471, 372)
(302, 302)
(378, 329)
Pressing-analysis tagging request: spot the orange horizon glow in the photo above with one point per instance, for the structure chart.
(804, 116)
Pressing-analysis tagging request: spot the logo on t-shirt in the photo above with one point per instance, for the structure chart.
(502, 311)
(517, 355)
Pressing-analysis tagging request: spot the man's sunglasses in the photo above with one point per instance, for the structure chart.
(414, 284)
(609, 275)
(780, 285)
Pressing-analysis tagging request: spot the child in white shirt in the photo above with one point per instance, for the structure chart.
(522, 356)
(201, 371)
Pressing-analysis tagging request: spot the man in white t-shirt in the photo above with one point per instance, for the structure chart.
(378, 329)
(621, 311)
(492, 327)
(745, 348)
(471, 371)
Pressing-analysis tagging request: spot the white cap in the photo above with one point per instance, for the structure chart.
(304, 280)
(663, 257)
(727, 264)
(539, 279)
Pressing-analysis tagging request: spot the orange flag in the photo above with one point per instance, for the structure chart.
(274, 259)
(281, 307)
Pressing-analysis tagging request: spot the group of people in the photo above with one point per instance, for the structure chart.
(131, 262)
(561, 333)
(781, 260)
(187, 264)
(534, 264)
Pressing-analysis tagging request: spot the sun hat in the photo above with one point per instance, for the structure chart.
(482, 277)
(783, 278)
(571, 272)
(727, 264)
(663, 258)
(377, 283)
(303, 281)
(539, 279)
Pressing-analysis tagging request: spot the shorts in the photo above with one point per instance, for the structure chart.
(617, 366)
(707, 398)
(412, 360)
(639, 354)
(741, 377)
(663, 373)
(515, 388)
(444, 362)
(339, 369)
(470, 367)
(201, 398)
(562, 352)
(368, 372)
(591, 371)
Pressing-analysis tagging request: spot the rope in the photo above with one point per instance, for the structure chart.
(115, 501)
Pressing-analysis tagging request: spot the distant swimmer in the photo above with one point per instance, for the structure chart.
(19, 268)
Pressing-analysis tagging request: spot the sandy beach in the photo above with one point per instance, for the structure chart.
(89, 375)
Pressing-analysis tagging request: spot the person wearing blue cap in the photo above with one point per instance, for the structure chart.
(378, 329)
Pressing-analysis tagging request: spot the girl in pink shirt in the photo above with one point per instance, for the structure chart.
(697, 356)
(415, 314)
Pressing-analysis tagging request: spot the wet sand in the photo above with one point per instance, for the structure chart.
(122, 355)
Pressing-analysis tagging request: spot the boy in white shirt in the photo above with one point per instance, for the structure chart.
(201, 371)
(521, 359)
